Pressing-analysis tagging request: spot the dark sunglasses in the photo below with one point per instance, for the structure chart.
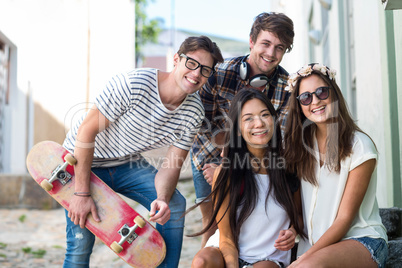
(307, 97)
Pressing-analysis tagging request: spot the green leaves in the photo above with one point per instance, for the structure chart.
(145, 30)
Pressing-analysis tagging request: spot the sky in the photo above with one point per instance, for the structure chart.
(226, 18)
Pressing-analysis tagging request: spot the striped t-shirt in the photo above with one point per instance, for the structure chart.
(139, 121)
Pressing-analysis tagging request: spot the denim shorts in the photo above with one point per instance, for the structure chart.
(202, 187)
(243, 264)
(377, 247)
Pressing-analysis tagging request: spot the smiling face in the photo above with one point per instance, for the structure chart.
(256, 125)
(266, 53)
(190, 81)
(318, 111)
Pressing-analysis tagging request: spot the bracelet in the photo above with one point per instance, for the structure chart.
(83, 194)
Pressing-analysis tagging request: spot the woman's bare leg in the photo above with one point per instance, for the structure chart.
(347, 253)
(208, 257)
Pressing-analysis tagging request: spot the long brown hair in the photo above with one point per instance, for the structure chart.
(300, 131)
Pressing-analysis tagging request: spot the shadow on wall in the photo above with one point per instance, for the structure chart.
(46, 126)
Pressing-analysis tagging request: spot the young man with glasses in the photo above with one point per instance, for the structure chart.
(271, 36)
(138, 111)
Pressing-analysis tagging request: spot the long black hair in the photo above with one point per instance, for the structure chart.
(236, 177)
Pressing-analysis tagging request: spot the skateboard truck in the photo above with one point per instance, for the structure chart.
(60, 173)
(127, 234)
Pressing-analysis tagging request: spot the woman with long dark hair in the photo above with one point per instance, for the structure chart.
(253, 198)
(335, 161)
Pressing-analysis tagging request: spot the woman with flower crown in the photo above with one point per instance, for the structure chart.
(335, 161)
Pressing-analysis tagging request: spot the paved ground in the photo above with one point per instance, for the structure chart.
(36, 238)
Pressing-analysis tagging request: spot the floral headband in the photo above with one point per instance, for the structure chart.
(306, 71)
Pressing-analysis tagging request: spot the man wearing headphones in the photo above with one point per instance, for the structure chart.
(271, 36)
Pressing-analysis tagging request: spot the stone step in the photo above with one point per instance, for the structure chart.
(395, 253)
(392, 220)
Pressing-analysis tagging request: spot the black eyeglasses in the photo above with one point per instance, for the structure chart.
(307, 97)
(192, 64)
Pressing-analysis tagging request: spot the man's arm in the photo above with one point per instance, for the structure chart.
(81, 206)
(166, 180)
(209, 99)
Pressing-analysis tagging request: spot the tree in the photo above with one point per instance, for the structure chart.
(145, 30)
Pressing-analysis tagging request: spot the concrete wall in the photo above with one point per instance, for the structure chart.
(20, 191)
(369, 87)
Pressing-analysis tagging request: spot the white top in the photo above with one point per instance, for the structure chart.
(259, 232)
(139, 120)
(320, 203)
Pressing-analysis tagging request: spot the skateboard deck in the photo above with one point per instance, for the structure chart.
(121, 228)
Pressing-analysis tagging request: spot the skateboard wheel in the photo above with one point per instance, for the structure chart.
(116, 247)
(139, 221)
(45, 184)
(70, 159)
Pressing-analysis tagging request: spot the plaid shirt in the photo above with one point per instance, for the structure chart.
(216, 96)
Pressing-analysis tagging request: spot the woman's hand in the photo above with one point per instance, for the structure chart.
(208, 172)
(286, 239)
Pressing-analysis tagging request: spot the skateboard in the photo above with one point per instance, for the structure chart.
(121, 228)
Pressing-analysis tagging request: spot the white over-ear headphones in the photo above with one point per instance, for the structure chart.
(258, 80)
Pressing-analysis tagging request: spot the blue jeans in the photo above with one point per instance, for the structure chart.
(202, 187)
(134, 180)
